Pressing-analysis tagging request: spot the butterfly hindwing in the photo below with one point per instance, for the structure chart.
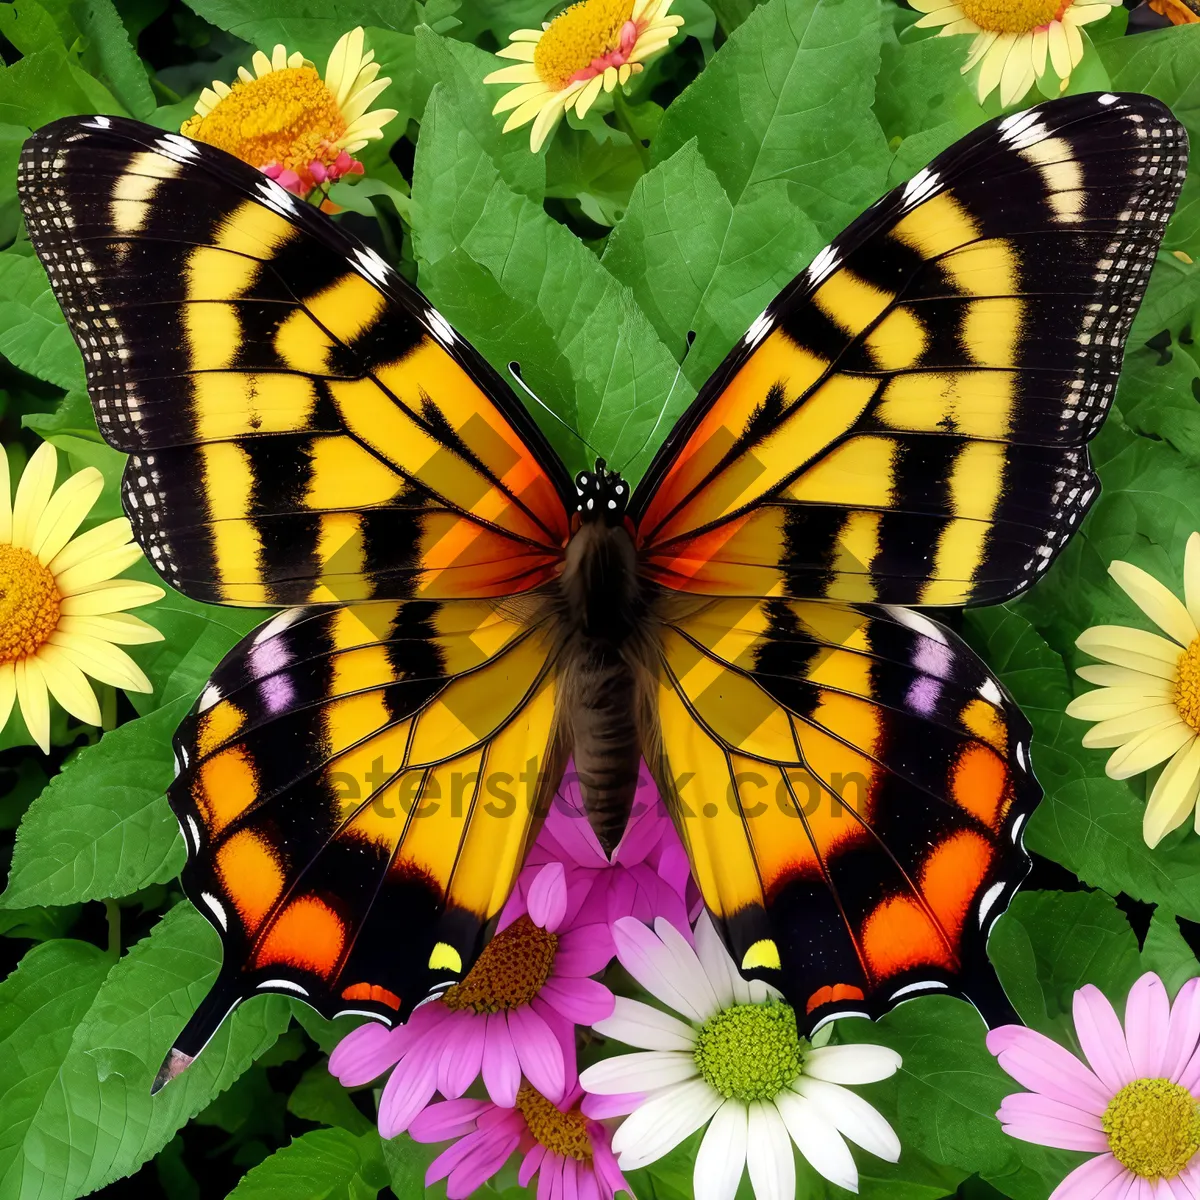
(851, 783)
(907, 422)
(302, 426)
(355, 795)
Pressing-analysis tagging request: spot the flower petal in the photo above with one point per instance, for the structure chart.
(992, 66)
(1060, 50)
(1174, 795)
(1136, 648)
(643, 1072)
(461, 1058)
(520, 73)
(1158, 602)
(817, 1139)
(581, 1001)
(659, 1125)
(1109, 703)
(688, 968)
(1147, 1016)
(1148, 749)
(112, 595)
(1102, 1039)
(720, 969)
(124, 629)
(34, 701)
(546, 900)
(68, 685)
(1182, 1035)
(366, 1053)
(722, 1155)
(96, 541)
(34, 490)
(1116, 731)
(8, 688)
(637, 1024)
(501, 1069)
(653, 965)
(96, 569)
(1088, 1181)
(64, 511)
(852, 1117)
(102, 661)
(769, 1156)
(852, 1064)
(1041, 1065)
(1029, 1107)
(5, 499)
(1106, 675)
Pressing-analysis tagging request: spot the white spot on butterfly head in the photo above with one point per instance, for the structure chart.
(758, 328)
(823, 264)
(441, 327)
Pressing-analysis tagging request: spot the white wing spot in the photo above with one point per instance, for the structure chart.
(216, 908)
(821, 266)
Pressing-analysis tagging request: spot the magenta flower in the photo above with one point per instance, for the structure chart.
(569, 1153)
(648, 875)
(513, 1014)
(1134, 1105)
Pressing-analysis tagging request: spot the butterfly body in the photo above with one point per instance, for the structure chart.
(904, 427)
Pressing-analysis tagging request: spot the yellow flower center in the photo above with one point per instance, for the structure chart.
(510, 972)
(29, 604)
(288, 117)
(585, 31)
(1187, 685)
(560, 1132)
(1153, 1127)
(1013, 16)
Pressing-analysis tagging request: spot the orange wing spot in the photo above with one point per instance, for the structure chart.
(830, 995)
(308, 934)
(371, 991)
(226, 785)
(987, 724)
(952, 875)
(979, 783)
(217, 726)
(899, 936)
(251, 874)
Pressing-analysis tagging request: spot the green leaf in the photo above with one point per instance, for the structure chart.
(1162, 400)
(789, 99)
(102, 828)
(321, 1098)
(1167, 954)
(1164, 63)
(725, 263)
(600, 175)
(407, 1162)
(97, 1100)
(41, 1002)
(109, 56)
(48, 84)
(621, 371)
(326, 1164)
(943, 1100)
(33, 333)
(1049, 944)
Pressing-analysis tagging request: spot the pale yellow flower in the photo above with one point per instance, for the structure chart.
(1148, 703)
(592, 46)
(62, 612)
(1016, 41)
(285, 119)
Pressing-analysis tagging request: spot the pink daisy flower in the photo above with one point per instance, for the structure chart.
(647, 877)
(1135, 1105)
(513, 1014)
(568, 1152)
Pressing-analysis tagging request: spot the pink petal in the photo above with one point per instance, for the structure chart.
(365, 1053)
(674, 867)
(1102, 1039)
(538, 1052)
(547, 897)
(600, 1107)
(570, 1179)
(530, 1164)
(1147, 1016)
(486, 1159)
(408, 1090)
(1041, 1065)
(449, 1119)
(462, 1053)
(1003, 1037)
(589, 1186)
(605, 1166)
(564, 1030)
(1030, 1106)
(1085, 1182)
(549, 1175)
(501, 1070)
(583, 1001)
(585, 950)
(1184, 1031)
(1063, 1135)
(646, 822)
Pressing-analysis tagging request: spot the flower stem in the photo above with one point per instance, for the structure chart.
(625, 124)
(112, 910)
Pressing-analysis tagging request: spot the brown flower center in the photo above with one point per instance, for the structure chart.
(510, 972)
(564, 1133)
(30, 604)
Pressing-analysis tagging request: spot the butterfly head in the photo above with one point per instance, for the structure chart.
(601, 495)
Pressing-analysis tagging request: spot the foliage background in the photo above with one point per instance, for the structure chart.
(739, 153)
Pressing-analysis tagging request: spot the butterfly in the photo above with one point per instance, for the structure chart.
(904, 427)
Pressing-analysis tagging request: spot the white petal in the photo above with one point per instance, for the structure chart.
(689, 969)
(853, 1117)
(644, 956)
(722, 1155)
(1158, 602)
(658, 1126)
(643, 1072)
(33, 494)
(818, 1140)
(769, 1154)
(726, 979)
(637, 1024)
(852, 1064)
(1174, 795)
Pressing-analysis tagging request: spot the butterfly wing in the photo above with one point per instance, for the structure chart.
(302, 426)
(906, 424)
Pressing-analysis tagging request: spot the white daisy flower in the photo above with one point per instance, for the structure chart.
(732, 1060)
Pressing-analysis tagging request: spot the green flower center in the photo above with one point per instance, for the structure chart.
(751, 1051)
(1153, 1127)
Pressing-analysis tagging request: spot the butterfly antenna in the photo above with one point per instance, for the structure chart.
(662, 412)
(514, 369)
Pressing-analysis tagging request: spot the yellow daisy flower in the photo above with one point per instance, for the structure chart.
(1016, 40)
(593, 45)
(285, 119)
(1148, 703)
(62, 612)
